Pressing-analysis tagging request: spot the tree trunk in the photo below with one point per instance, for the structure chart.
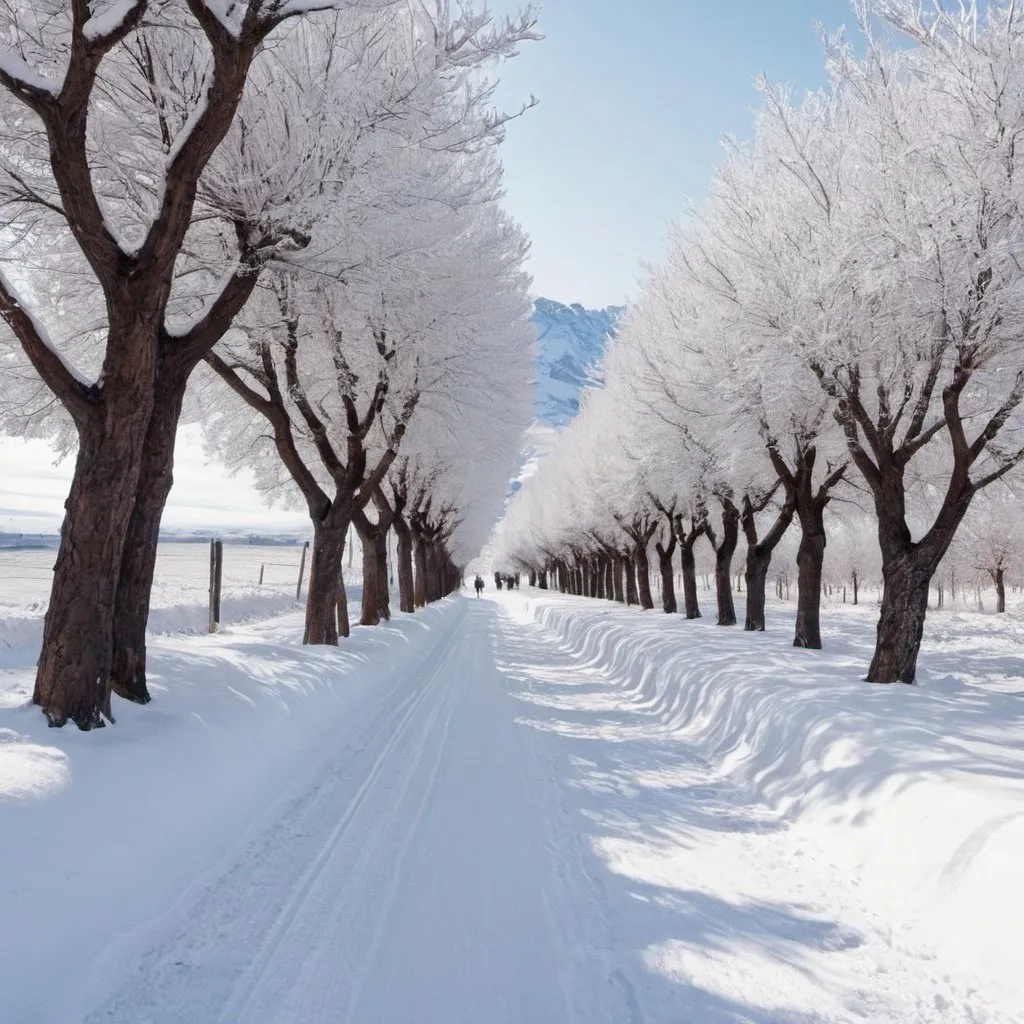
(810, 559)
(629, 567)
(344, 627)
(668, 583)
(419, 551)
(756, 576)
(643, 577)
(73, 674)
(380, 543)
(406, 584)
(691, 607)
(724, 551)
(1000, 585)
(373, 573)
(138, 561)
(759, 553)
(618, 589)
(900, 622)
(329, 536)
(434, 590)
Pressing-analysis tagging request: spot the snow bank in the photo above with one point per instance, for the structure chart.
(916, 792)
(106, 835)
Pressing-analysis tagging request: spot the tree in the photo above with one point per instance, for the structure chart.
(61, 58)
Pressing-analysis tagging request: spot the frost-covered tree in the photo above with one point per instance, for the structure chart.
(95, 151)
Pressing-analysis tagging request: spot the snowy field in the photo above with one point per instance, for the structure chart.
(527, 808)
(180, 591)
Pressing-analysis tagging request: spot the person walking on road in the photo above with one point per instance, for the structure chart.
(478, 584)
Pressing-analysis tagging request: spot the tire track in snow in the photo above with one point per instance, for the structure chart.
(240, 1002)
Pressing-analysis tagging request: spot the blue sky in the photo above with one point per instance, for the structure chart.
(635, 97)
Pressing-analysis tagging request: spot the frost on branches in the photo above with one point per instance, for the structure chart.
(843, 316)
(166, 164)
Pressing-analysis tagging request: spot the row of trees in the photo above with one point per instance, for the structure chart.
(280, 218)
(838, 329)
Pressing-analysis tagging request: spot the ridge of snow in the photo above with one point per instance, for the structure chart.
(110, 20)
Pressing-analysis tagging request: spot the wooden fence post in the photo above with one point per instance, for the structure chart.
(302, 570)
(216, 576)
(262, 567)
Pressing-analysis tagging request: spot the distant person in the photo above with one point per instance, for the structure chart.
(478, 585)
(497, 580)
(516, 580)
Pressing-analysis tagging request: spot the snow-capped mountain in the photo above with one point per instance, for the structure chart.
(571, 342)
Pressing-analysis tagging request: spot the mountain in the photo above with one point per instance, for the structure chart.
(571, 343)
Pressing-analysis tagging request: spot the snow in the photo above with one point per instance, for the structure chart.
(109, 20)
(526, 807)
(14, 65)
(40, 329)
(180, 598)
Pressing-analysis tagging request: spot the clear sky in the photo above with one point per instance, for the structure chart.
(635, 96)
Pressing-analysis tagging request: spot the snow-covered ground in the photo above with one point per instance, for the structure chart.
(180, 591)
(526, 808)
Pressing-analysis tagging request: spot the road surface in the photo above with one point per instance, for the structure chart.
(514, 839)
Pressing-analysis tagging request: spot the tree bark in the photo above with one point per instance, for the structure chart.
(629, 568)
(73, 674)
(344, 627)
(420, 561)
(668, 582)
(999, 583)
(724, 550)
(330, 533)
(759, 555)
(810, 559)
(900, 622)
(370, 611)
(643, 577)
(618, 588)
(138, 562)
(406, 583)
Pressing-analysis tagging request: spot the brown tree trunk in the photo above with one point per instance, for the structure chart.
(73, 673)
(643, 577)
(759, 556)
(691, 606)
(900, 622)
(344, 626)
(629, 568)
(1000, 585)
(724, 550)
(756, 576)
(374, 575)
(668, 582)
(419, 552)
(810, 559)
(406, 584)
(138, 561)
(618, 588)
(907, 571)
(329, 536)
(384, 583)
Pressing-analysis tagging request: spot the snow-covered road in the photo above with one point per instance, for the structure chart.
(512, 838)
